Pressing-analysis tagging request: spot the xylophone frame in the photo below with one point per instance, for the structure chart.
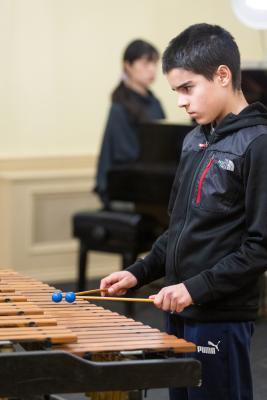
(45, 374)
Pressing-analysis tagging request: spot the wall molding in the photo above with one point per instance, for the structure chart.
(57, 162)
(37, 200)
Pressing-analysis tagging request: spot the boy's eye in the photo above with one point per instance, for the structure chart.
(187, 89)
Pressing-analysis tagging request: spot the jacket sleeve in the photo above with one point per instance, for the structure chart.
(242, 267)
(151, 267)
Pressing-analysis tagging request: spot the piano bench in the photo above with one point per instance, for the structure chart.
(126, 233)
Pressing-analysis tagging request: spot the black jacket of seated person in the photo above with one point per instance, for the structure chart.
(120, 141)
(216, 243)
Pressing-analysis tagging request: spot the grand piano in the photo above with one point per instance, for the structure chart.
(149, 179)
(145, 185)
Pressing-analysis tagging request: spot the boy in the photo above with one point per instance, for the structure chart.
(216, 246)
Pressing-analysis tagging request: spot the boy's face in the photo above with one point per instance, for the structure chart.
(205, 101)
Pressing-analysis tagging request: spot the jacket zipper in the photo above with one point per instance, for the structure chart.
(178, 240)
(202, 178)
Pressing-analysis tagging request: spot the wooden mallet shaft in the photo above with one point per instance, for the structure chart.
(134, 299)
(91, 291)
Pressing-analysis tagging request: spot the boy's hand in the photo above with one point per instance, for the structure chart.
(117, 283)
(172, 298)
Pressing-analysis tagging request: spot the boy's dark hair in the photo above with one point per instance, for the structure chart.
(201, 48)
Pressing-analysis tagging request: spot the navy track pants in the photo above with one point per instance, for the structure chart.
(223, 349)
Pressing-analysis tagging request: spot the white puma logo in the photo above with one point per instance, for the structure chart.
(209, 350)
(214, 345)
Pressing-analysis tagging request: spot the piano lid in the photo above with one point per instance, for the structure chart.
(161, 142)
(149, 179)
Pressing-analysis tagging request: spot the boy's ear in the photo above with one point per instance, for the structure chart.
(224, 75)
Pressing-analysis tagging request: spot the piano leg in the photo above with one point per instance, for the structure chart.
(82, 266)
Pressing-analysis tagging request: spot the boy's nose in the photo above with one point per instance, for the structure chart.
(182, 101)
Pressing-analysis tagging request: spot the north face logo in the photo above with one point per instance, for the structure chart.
(226, 164)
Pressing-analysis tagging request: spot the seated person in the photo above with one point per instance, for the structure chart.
(132, 103)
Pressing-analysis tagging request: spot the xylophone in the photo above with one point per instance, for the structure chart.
(65, 348)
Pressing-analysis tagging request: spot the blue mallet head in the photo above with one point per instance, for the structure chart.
(57, 296)
(70, 297)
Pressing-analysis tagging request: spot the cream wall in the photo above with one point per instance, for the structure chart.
(60, 60)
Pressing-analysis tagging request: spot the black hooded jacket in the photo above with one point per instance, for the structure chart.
(216, 243)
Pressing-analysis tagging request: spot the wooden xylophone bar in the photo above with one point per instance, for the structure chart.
(68, 335)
